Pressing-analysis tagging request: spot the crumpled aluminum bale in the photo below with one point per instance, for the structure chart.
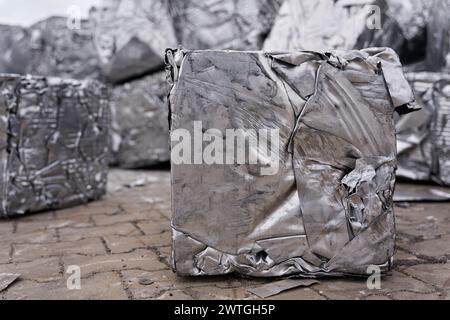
(62, 52)
(438, 44)
(228, 24)
(54, 142)
(50, 48)
(328, 209)
(15, 49)
(131, 37)
(140, 127)
(348, 24)
(424, 136)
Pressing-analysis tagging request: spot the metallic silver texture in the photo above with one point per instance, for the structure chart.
(347, 24)
(424, 136)
(140, 126)
(131, 37)
(227, 24)
(328, 210)
(53, 143)
(50, 48)
(438, 44)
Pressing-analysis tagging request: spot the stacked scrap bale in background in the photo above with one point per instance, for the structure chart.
(131, 38)
(55, 130)
(53, 149)
(330, 24)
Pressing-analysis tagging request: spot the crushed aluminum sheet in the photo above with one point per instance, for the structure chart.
(274, 288)
(328, 209)
(6, 279)
(49, 48)
(423, 137)
(347, 24)
(53, 142)
(225, 24)
(438, 44)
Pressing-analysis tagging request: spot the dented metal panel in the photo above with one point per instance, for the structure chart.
(424, 137)
(53, 143)
(140, 126)
(325, 208)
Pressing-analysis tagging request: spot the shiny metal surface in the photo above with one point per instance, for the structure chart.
(235, 24)
(328, 210)
(140, 126)
(131, 37)
(424, 137)
(54, 136)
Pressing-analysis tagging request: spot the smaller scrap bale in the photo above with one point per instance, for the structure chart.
(424, 137)
(53, 143)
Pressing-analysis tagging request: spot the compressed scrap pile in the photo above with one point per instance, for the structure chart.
(424, 136)
(54, 142)
(131, 38)
(50, 48)
(140, 130)
(319, 201)
(342, 24)
(230, 24)
(438, 45)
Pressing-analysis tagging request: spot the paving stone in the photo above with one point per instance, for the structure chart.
(119, 244)
(29, 252)
(436, 274)
(40, 270)
(139, 259)
(298, 294)
(52, 223)
(121, 216)
(215, 293)
(116, 249)
(152, 228)
(100, 286)
(174, 295)
(75, 234)
(6, 226)
(4, 253)
(39, 236)
(437, 248)
(406, 295)
(157, 240)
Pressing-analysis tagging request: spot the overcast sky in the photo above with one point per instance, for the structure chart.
(27, 12)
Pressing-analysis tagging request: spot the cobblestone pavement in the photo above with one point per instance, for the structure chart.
(122, 244)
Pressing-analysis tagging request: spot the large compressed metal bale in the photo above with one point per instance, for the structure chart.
(140, 127)
(50, 48)
(424, 136)
(438, 44)
(343, 24)
(131, 36)
(228, 24)
(316, 199)
(53, 143)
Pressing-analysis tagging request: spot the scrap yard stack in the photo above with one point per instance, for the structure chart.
(357, 91)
